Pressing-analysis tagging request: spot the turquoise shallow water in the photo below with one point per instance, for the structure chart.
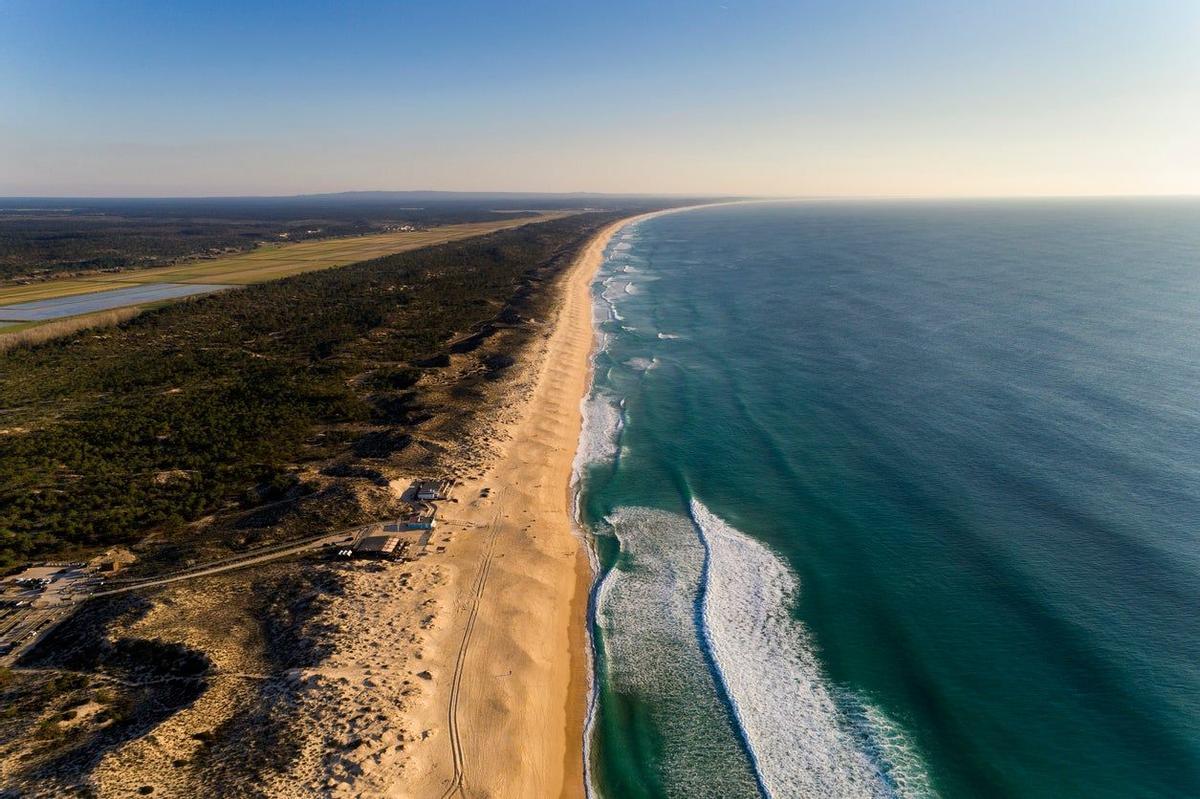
(898, 499)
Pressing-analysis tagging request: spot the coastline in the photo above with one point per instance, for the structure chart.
(519, 585)
(534, 577)
(582, 698)
(845, 744)
(469, 671)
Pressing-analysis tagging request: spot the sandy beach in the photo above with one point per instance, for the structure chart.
(507, 714)
(465, 671)
(461, 671)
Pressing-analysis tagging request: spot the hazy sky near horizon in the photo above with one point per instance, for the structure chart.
(882, 97)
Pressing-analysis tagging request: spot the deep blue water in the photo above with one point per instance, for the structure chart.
(899, 499)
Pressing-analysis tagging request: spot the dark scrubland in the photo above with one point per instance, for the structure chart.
(111, 675)
(266, 412)
(80, 695)
(47, 243)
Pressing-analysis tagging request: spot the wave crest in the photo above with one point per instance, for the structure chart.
(801, 740)
(645, 611)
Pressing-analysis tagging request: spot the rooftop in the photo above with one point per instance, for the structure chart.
(384, 544)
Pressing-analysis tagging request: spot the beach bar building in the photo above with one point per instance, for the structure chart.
(428, 490)
(382, 546)
(418, 521)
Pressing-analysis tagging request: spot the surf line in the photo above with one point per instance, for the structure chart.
(706, 649)
(578, 474)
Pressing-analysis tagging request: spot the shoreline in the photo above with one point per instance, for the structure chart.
(585, 699)
(519, 584)
(483, 685)
(533, 584)
(582, 654)
(836, 764)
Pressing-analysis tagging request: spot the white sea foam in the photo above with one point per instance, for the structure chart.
(889, 746)
(602, 340)
(804, 743)
(604, 309)
(669, 336)
(613, 288)
(646, 612)
(600, 434)
(602, 415)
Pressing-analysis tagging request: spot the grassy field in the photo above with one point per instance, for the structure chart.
(268, 263)
(48, 290)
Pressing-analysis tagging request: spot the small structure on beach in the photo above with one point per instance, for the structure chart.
(428, 490)
(419, 520)
(379, 545)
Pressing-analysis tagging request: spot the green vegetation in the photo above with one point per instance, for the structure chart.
(137, 233)
(49, 729)
(62, 684)
(211, 403)
(45, 236)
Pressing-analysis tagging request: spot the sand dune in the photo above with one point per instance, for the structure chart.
(465, 672)
(511, 723)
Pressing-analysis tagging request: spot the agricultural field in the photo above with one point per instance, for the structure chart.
(265, 263)
(284, 260)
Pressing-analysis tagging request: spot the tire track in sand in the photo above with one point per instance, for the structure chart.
(458, 781)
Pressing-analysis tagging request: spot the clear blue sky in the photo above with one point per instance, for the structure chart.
(893, 98)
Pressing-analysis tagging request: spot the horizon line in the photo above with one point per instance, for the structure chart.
(601, 194)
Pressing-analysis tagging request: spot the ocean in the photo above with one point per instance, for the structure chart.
(897, 499)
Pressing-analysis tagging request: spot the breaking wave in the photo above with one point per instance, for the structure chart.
(600, 434)
(645, 610)
(695, 622)
(604, 309)
(805, 739)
